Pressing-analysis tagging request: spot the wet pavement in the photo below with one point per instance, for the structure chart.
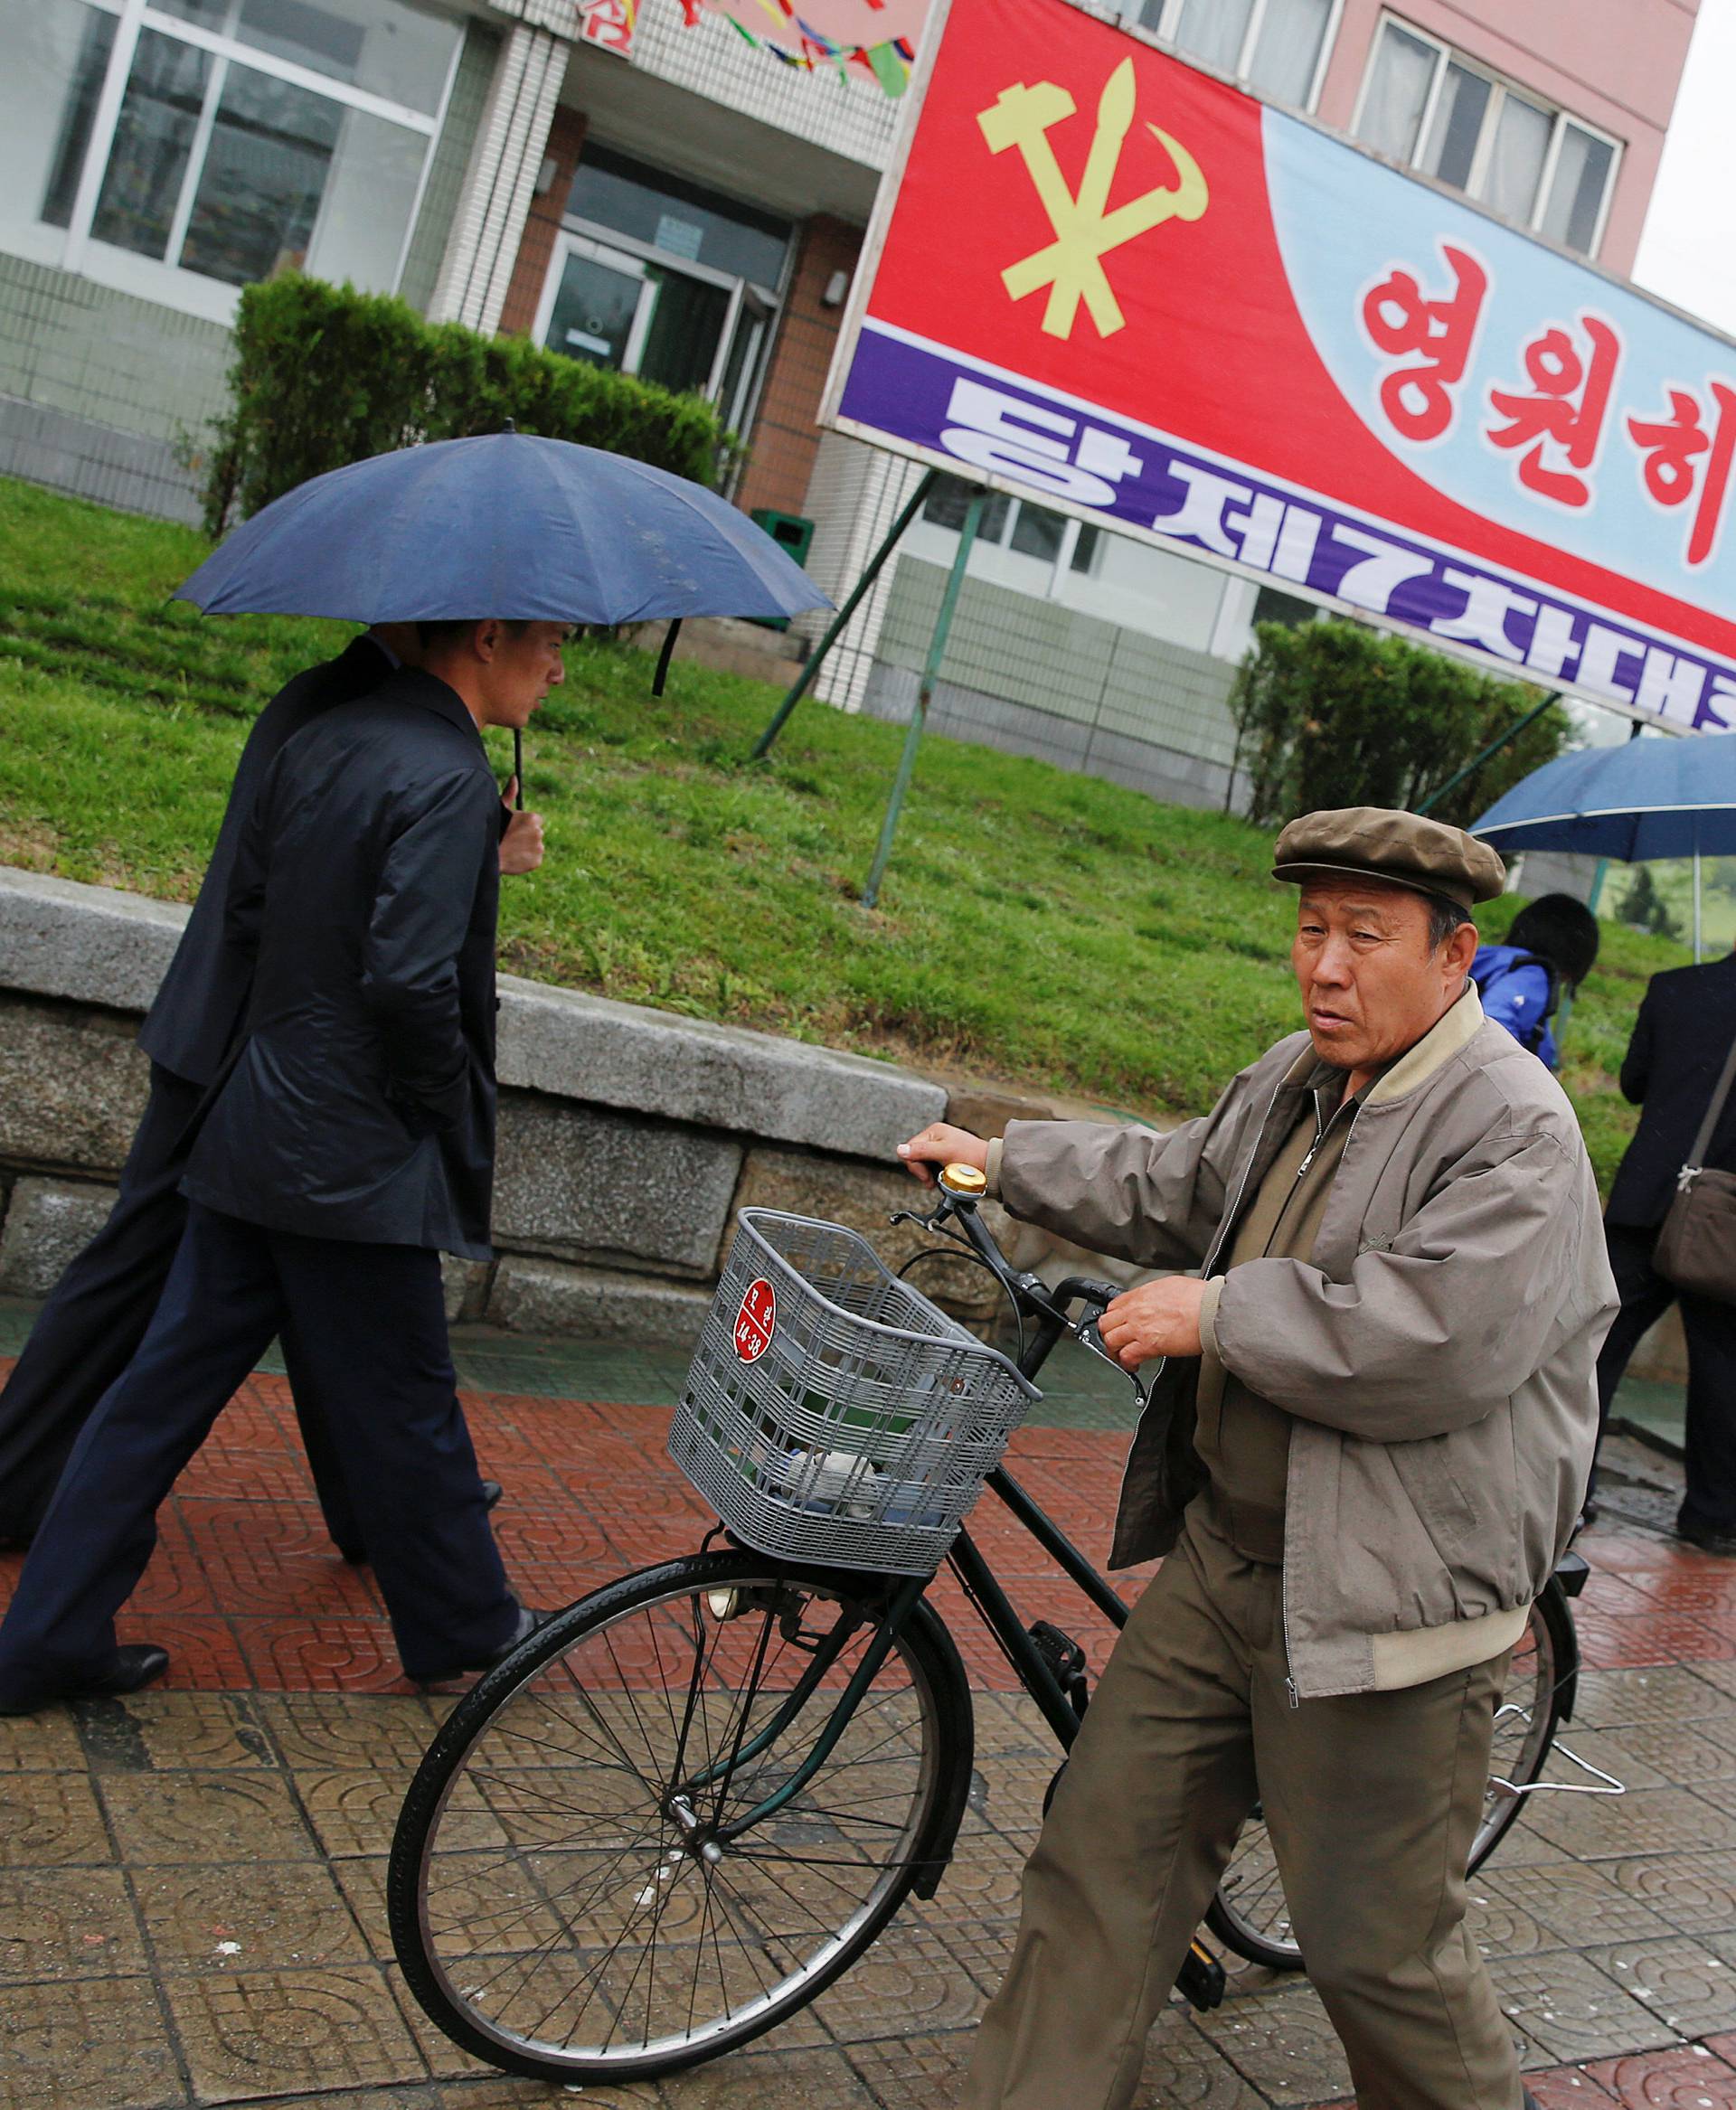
(191, 1881)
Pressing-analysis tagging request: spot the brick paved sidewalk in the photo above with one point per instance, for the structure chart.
(191, 1881)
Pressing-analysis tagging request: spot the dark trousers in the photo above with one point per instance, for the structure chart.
(90, 1330)
(372, 1323)
(1709, 1463)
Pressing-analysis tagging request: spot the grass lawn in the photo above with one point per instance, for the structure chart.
(1036, 927)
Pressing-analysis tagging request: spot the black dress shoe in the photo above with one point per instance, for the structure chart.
(1708, 1541)
(527, 1624)
(139, 1664)
(357, 1556)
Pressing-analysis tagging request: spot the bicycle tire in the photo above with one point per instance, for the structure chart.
(1248, 1913)
(545, 1810)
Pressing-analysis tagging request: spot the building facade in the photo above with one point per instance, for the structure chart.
(657, 193)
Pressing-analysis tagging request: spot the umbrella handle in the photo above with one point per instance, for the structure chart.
(518, 764)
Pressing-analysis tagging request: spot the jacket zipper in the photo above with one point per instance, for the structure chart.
(1206, 1269)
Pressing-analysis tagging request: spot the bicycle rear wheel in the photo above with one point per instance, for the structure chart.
(567, 1895)
(1249, 1913)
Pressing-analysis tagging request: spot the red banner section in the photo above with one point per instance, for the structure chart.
(1109, 279)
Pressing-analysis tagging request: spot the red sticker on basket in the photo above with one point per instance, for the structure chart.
(754, 1321)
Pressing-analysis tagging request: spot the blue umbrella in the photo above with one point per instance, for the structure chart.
(504, 525)
(1665, 797)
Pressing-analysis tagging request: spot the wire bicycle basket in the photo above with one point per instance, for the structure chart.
(832, 1414)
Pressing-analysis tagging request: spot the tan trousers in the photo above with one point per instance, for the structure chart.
(1372, 1801)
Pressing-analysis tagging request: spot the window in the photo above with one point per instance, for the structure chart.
(1016, 523)
(657, 276)
(1278, 47)
(1436, 110)
(181, 148)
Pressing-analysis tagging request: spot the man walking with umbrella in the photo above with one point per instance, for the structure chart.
(351, 1142)
(89, 1330)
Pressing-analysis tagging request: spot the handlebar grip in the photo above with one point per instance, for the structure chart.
(1087, 1289)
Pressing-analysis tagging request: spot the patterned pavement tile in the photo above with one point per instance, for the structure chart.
(355, 1813)
(39, 1743)
(1662, 1638)
(1721, 1677)
(280, 1914)
(909, 1981)
(1691, 2078)
(816, 2079)
(1684, 1753)
(156, 1730)
(175, 1582)
(1571, 2010)
(1567, 2088)
(92, 2041)
(1694, 1892)
(1703, 1591)
(67, 1922)
(982, 1881)
(163, 1819)
(362, 1878)
(295, 1655)
(1500, 1923)
(50, 1820)
(913, 2072)
(1184, 2070)
(1617, 1700)
(203, 1653)
(276, 1562)
(1647, 1820)
(1281, 2043)
(1576, 1904)
(1687, 1984)
(263, 2034)
(346, 1732)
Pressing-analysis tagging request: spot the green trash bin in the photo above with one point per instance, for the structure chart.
(792, 534)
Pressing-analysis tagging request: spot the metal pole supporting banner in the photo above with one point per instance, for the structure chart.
(919, 709)
(1477, 761)
(815, 659)
(1697, 905)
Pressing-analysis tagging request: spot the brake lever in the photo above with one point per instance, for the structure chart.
(1089, 1338)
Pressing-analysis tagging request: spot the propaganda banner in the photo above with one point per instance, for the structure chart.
(1101, 277)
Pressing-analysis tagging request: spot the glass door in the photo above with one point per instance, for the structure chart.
(599, 304)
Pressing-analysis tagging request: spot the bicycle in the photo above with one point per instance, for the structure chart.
(690, 1803)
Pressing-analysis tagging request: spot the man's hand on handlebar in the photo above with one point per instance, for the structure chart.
(939, 1144)
(1158, 1318)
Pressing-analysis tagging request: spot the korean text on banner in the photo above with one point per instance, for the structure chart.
(1103, 277)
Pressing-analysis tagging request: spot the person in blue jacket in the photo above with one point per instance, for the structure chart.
(1551, 949)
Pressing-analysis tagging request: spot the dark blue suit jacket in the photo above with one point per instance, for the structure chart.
(192, 1023)
(1682, 1037)
(362, 1102)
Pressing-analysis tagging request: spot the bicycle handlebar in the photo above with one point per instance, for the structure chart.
(959, 1190)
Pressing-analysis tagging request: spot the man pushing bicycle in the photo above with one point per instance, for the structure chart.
(1365, 1451)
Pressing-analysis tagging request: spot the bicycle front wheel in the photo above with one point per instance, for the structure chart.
(1249, 1913)
(573, 1893)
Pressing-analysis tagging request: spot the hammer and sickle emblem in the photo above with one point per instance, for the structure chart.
(1085, 229)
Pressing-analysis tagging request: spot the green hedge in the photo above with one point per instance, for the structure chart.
(1334, 713)
(325, 375)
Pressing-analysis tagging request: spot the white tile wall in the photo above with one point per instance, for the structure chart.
(495, 198)
(850, 115)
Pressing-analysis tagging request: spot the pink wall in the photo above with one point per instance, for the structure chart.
(1615, 63)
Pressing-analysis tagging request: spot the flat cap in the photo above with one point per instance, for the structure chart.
(1406, 850)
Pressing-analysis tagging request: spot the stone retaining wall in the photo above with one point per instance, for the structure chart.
(628, 1137)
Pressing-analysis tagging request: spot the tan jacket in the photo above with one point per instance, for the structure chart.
(1438, 1351)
